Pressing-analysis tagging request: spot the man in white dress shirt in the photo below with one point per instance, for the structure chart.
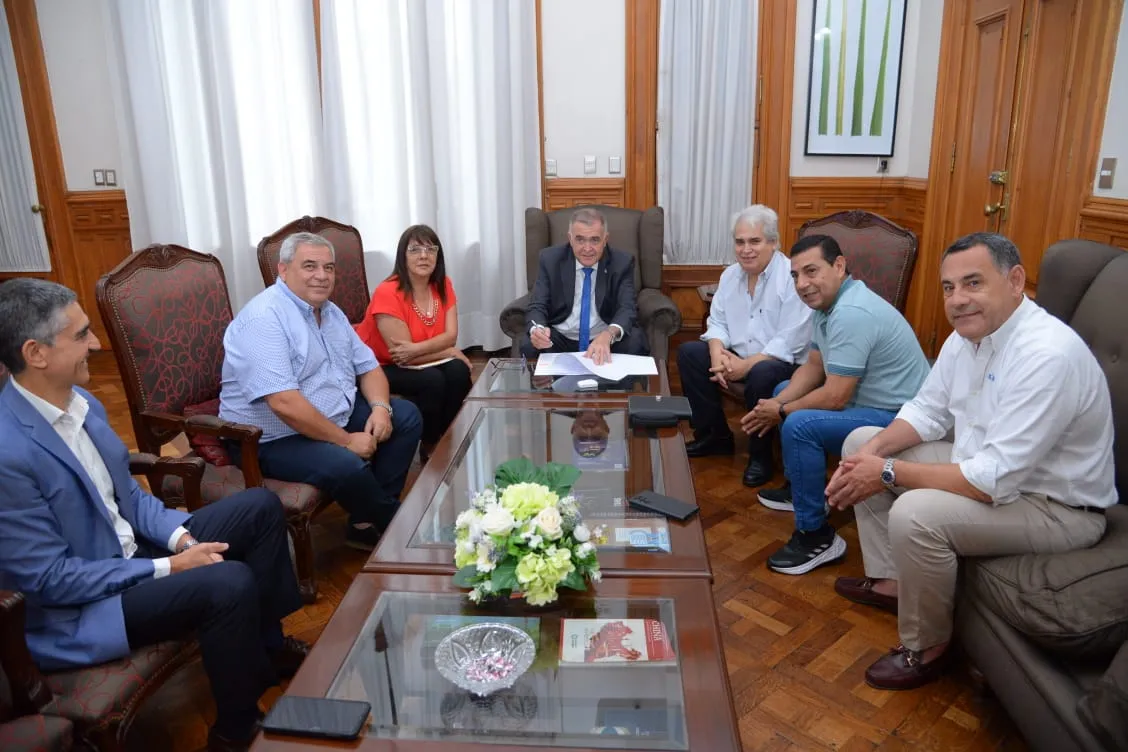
(758, 334)
(584, 296)
(1030, 469)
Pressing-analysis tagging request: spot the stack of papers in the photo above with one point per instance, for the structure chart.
(578, 364)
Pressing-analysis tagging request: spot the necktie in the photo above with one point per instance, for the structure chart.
(585, 309)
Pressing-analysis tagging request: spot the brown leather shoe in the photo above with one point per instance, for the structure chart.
(860, 590)
(902, 668)
(288, 658)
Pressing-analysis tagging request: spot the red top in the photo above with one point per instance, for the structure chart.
(387, 299)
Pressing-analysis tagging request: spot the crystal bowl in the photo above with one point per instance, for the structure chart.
(483, 658)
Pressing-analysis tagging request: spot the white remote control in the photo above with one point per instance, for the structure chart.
(587, 384)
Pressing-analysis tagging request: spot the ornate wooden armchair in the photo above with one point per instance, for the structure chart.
(96, 705)
(878, 252)
(166, 309)
(350, 291)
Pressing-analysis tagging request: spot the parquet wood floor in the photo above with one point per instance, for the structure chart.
(795, 650)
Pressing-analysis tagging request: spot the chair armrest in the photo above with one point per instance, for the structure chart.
(658, 311)
(188, 469)
(512, 317)
(246, 435)
(28, 688)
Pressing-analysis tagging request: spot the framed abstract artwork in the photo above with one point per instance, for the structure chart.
(855, 76)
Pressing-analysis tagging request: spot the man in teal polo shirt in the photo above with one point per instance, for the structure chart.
(864, 363)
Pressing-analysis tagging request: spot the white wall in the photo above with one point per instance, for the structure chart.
(74, 44)
(583, 52)
(1115, 141)
(920, 62)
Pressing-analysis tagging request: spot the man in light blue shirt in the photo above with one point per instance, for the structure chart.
(291, 368)
(758, 334)
(864, 364)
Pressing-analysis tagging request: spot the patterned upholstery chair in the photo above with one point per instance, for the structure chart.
(640, 234)
(878, 252)
(96, 704)
(351, 289)
(165, 309)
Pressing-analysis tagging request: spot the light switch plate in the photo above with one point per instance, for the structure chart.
(615, 165)
(589, 165)
(99, 177)
(550, 168)
(111, 177)
(1107, 173)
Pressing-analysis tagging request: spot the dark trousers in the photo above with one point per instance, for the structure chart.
(438, 392)
(705, 395)
(632, 343)
(369, 490)
(234, 608)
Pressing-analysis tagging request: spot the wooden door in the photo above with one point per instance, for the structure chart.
(1014, 146)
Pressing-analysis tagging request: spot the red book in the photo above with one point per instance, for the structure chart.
(588, 641)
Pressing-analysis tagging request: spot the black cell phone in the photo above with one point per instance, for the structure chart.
(317, 717)
(652, 501)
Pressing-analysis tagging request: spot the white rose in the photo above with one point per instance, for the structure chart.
(581, 533)
(549, 522)
(584, 549)
(498, 520)
(464, 518)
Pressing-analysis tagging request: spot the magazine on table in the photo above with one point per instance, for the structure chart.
(615, 641)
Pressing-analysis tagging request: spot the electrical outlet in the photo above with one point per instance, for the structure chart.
(111, 177)
(615, 165)
(99, 177)
(883, 165)
(589, 165)
(550, 168)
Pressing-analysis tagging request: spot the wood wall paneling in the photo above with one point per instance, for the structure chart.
(680, 282)
(561, 193)
(1105, 220)
(641, 189)
(900, 200)
(99, 229)
(775, 64)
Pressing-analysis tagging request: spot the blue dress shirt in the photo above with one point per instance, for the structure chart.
(275, 345)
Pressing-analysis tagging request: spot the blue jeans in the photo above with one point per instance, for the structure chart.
(368, 490)
(807, 437)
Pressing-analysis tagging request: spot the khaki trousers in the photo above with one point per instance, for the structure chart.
(915, 536)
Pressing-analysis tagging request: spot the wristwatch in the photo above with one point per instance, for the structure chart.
(782, 412)
(189, 543)
(888, 477)
(381, 403)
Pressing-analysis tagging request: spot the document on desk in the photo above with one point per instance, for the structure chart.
(577, 364)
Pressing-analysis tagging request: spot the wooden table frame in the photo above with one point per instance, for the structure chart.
(688, 557)
(481, 389)
(710, 719)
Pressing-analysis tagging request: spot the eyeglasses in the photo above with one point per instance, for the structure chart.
(419, 250)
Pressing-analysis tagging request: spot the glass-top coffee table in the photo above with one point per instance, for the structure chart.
(596, 681)
(512, 379)
(616, 462)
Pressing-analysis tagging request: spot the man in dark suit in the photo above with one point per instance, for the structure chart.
(106, 568)
(584, 296)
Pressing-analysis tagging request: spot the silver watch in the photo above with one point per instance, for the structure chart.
(888, 477)
(189, 543)
(380, 403)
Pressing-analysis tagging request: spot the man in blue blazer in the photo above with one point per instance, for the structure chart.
(584, 298)
(106, 567)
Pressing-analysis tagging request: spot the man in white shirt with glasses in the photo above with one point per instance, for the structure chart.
(757, 335)
(1030, 469)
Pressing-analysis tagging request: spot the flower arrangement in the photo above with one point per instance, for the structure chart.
(525, 534)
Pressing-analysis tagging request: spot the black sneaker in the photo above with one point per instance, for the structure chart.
(808, 550)
(363, 536)
(778, 499)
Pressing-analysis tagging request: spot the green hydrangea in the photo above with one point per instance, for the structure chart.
(526, 500)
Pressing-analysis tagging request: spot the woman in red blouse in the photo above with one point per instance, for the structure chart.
(412, 325)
